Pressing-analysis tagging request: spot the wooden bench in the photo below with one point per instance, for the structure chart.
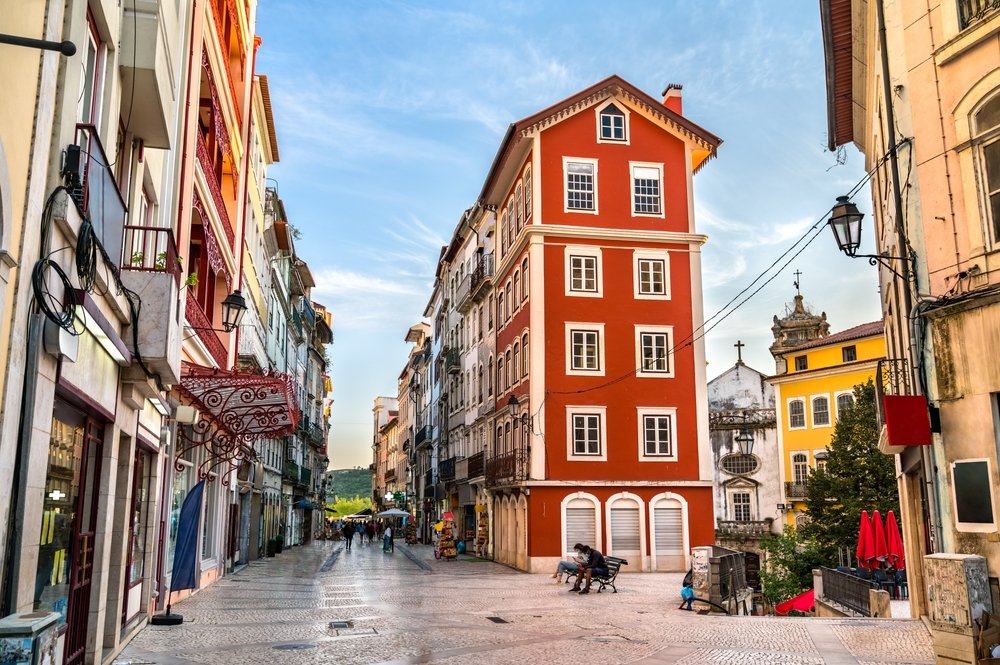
(614, 565)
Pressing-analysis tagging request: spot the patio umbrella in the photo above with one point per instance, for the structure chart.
(393, 512)
(880, 550)
(894, 542)
(804, 602)
(866, 548)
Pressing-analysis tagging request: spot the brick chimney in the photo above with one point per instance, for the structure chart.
(672, 97)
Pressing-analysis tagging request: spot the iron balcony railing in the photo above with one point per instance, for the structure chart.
(477, 465)
(291, 471)
(316, 433)
(151, 249)
(847, 590)
(796, 490)
(446, 469)
(452, 361)
(422, 436)
(507, 468)
(481, 275)
(892, 377)
(204, 329)
(971, 12)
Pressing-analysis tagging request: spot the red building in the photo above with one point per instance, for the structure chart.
(598, 295)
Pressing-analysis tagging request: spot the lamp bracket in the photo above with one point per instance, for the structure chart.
(883, 260)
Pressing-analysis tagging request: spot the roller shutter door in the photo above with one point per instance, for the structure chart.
(669, 530)
(625, 529)
(580, 527)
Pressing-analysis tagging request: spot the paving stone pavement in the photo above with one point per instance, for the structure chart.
(406, 607)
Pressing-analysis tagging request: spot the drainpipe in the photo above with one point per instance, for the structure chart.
(916, 361)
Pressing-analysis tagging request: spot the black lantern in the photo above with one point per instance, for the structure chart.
(233, 309)
(845, 220)
(744, 438)
(514, 405)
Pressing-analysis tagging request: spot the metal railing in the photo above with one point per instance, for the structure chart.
(97, 192)
(732, 573)
(446, 469)
(291, 471)
(422, 435)
(477, 465)
(847, 590)
(452, 361)
(208, 168)
(892, 377)
(481, 274)
(199, 321)
(151, 249)
(316, 432)
(507, 468)
(974, 11)
(797, 490)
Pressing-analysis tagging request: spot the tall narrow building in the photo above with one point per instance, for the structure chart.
(600, 429)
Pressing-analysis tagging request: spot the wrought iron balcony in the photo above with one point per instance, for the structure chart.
(390, 474)
(507, 468)
(422, 436)
(892, 377)
(315, 433)
(971, 12)
(452, 362)
(477, 465)
(290, 471)
(208, 169)
(796, 490)
(446, 469)
(481, 276)
(203, 326)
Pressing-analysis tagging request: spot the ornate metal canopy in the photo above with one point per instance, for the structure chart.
(238, 408)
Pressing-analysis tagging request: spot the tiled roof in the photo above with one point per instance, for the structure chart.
(857, 332)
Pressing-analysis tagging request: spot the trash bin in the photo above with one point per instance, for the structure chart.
(29, 638)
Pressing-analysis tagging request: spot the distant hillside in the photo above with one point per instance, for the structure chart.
(349, 483)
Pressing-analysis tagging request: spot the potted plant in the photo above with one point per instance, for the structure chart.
(279, 544)
(272, 546)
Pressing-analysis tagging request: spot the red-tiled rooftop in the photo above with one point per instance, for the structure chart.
(857, 332)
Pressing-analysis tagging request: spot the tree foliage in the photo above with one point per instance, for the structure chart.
(343, 507)
(790, 561)
(857, 477)
(349, 483)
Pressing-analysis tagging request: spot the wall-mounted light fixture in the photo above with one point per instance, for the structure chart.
(845, 222)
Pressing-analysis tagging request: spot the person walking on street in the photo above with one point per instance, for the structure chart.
(370, 532)
(348, 532)
(387, 545)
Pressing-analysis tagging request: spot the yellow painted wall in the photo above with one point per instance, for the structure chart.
(826, 375)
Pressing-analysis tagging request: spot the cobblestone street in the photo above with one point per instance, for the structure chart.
(408, 608)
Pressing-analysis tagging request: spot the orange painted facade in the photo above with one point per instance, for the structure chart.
(612, 427)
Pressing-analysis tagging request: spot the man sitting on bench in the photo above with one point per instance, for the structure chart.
(593, 564)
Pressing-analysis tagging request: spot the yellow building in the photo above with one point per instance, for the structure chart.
(817, 384)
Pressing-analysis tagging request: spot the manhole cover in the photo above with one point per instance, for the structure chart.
(497, 620)
(293, 647)
(341, 624)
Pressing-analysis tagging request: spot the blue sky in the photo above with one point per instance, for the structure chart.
(389, 114)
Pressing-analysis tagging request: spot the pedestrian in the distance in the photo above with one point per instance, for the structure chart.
(348, 532)
(387, 539)
(370, 532)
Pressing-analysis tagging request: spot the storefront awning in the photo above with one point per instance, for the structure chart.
(247, 404)
(237, 408)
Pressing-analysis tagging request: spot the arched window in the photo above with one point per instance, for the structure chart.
(506, 372)
(524, 354)
(527, 193)
(482, 388)
(489, 379)
(821, 411)
(987, 129)
(800, 468)
(501, 318)
(503, 233)
(500, 384)
(516, 359)
(517, 289)
(524, 279)
(519, 203)
(510, 223)
(844, 402)
(506, 437)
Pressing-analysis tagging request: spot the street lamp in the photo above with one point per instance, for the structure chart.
(845, 222)
(233, 309)
(514, 406)
(744, 439)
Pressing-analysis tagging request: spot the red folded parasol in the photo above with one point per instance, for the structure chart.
(894, 542)
(866, 546)
(804, 602)
(881, 551)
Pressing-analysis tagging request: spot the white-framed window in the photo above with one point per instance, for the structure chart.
(581, 184)
(584, 271)
(503, 232)
(800, 468)
(527, 194)
(612, 123)
(647, 189)
(585, 349)
(741, 505)
(820, 411)
(511, 223)
(524, 354)
(986, 124)
(516, 362)
(519, 206)
(88, 109)
(844, 400)
(654, 351)
(586, 432)
(524, 279)
(517, 290)
(796, 413)
(657, 434)
(651, 275)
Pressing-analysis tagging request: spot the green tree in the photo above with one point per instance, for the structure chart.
(857, 477)
(343, 507)
(788, 570)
